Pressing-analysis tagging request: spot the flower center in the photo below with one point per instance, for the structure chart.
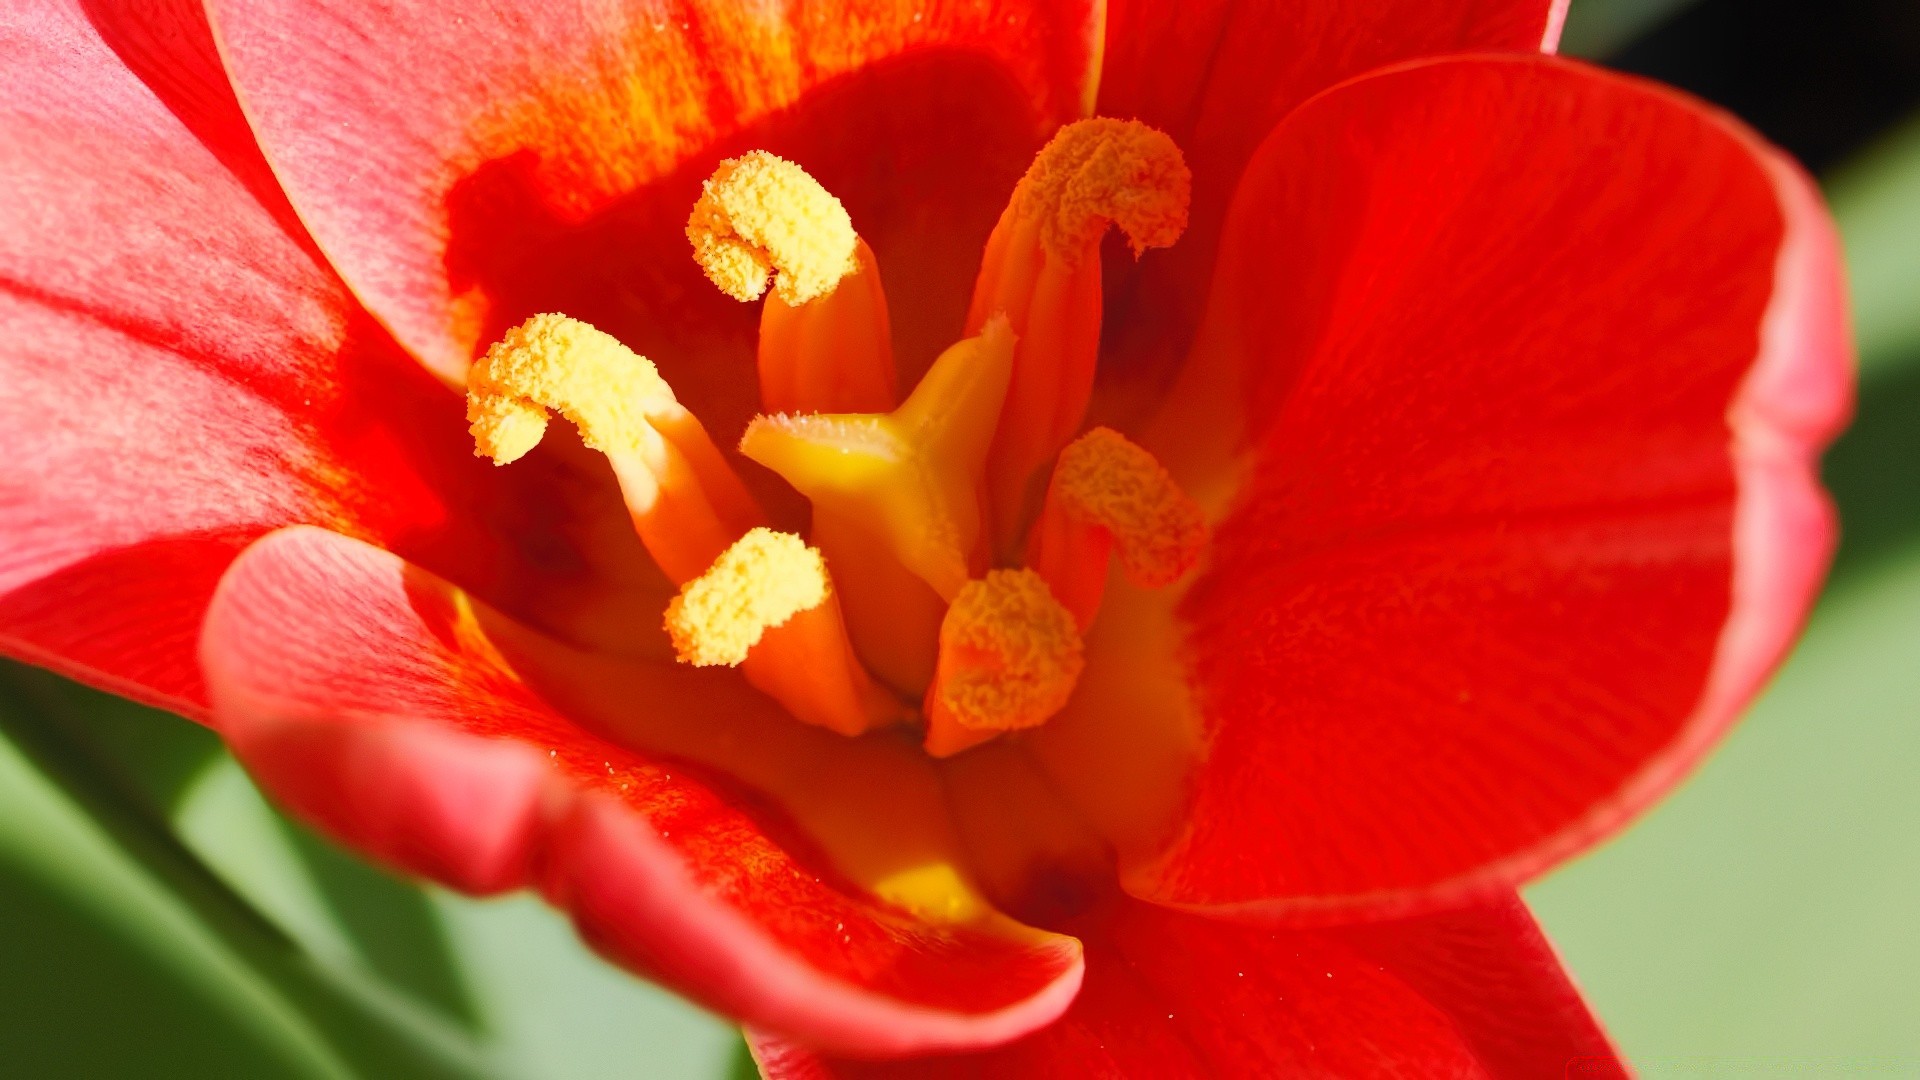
(960, 539)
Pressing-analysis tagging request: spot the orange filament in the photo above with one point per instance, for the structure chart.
(825, 340)
(687, 504)
(832, 354)
(908, 478)
(766, 606)
(1010, 657)
(1108, 495)
(1042, 270)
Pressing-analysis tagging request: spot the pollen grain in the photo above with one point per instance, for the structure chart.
(762, 216)
(1105, 171)
(759, 583)
(554, 362)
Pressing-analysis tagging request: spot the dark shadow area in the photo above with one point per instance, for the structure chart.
(923, 150)
(1874, 472)
(1821, 79)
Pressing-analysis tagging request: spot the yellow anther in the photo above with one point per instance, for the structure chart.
(1010, 657)
(1104, 480)
(1097, 172)
(553, 362)
(761, 216)
(909, 478)
(759, 583)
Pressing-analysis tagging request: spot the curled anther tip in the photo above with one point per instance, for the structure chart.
(552, 362)
(1099, 172)
(761, 217)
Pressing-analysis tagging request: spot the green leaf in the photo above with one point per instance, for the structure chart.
(76, 826)
(1599, 28)
(1876, 200)
(1765, 914)
(553, 1009)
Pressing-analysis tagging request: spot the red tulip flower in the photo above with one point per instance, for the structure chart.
(1201, 502)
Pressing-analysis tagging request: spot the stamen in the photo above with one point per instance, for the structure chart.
(910, 477)
(1108, 495)
(1042, 269)
(1100, 172)
(1010, 657)
(833, 354)
(825, 341)
(760, 215)
(687, 503)
(760, 582)
(767, 606)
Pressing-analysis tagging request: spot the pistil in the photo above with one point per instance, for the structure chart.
(825, 339)
(1042, 270)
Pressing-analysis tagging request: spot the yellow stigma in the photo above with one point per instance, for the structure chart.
(1158, 532)
(1104, 171)
(1010, 655)
(909, 478)
(759, 583)
(760, 215)
(553, 362)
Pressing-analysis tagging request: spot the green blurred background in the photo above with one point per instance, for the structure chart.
(158, 920)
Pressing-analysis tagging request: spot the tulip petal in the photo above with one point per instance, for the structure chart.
(371, 699)
(1217, 75)
(183, 373)
(1477, 992)
(463, 173)
(1534, 364)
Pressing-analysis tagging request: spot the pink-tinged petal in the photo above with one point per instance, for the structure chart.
(1472, 993)
(465, 172)
(369, 698)
(1218, 76)
(184, 374)
(1530, 366)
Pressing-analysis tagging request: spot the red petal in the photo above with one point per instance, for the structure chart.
(1477, 992)
(182, 373)
(1217, 75)
(465, 172)
(367, 698)
(1538, 361)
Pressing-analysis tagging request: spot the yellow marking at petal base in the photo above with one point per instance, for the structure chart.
(760, 216)
(910, 477)
(1103, 171)
(760, 582)
(1010, 657)
(936, 892)
(1158, 531)
(553, 362)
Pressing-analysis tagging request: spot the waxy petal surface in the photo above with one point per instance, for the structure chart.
(184, 373)
(1217, 76)
(1532, 365)
(391, 720)
(463, 173)
(1473, 993)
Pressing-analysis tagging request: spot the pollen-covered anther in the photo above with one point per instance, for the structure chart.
(761, 216)
(1108, 495)
(686, 502)
(767, 606)
(554, 362)
(763, 580)
(1103, 171)
(1010, 657)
